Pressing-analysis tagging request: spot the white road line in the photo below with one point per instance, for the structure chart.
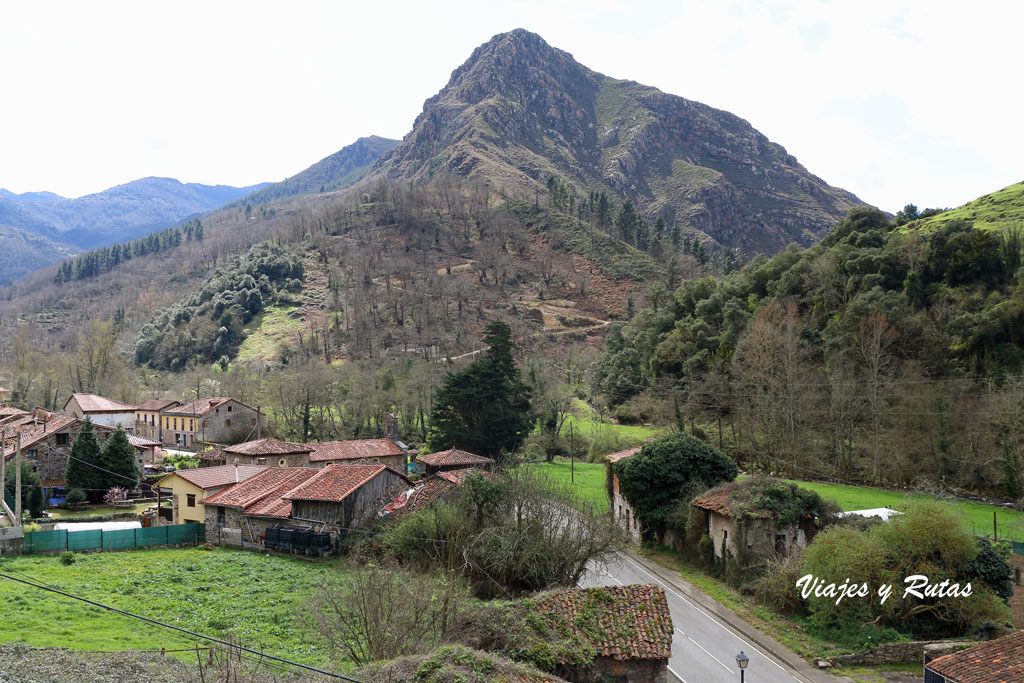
(676, 674)
(709, 616)
(709, 654)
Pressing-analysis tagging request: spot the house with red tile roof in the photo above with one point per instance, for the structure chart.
(335, 499)
(46, 441)
(101, 410)
(452, 459)
(996, 661)
(628, 628)
(385, 451)
(267, 451)
(213, 420)
(622, 513)
(187, 487)
(148, 422)
(428, 491)
(739, 527)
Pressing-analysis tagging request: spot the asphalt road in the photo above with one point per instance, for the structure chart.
(704, 647)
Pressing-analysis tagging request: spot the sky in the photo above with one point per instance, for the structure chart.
(913, 101)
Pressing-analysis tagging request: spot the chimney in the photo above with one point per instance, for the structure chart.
(391, 426)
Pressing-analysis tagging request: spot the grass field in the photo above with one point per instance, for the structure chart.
(586, 422)
(254, 598)
(977, 516)
(92, 511)
(589, 480)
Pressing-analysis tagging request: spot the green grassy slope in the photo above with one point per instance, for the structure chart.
(994, 211)
(254, 598)
(977, 516)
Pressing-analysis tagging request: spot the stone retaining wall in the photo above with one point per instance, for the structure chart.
(911, 652)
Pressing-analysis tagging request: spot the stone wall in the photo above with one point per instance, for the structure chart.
(12, 540)
(632, 670)
(911, 652)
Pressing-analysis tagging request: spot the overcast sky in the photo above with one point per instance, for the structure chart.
(915, 101)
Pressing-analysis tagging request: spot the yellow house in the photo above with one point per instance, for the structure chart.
(188, 487)
(147, 417)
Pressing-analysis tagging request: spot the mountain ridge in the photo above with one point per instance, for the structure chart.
(519, 110)
(337, 171)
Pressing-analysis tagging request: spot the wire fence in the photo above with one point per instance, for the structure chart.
(121, 539)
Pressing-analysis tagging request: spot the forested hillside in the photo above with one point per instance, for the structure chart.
(882, 355)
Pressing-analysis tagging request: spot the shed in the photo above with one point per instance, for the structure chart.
(452, 459)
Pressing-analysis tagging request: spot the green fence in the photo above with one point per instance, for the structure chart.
(122, 539)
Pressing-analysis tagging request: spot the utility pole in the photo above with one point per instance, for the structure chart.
(3, 467)
(17, 481)
(572, 455)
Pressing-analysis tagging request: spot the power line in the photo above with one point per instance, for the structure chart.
(161, 624)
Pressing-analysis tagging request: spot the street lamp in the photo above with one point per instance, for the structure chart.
(741, 661)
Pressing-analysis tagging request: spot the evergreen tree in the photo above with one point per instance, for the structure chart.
(118, 459)
(626, 221)
(82, 472)
(31, 488)
(484, 408)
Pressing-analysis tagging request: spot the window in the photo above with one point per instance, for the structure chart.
(725, 540)
(206, 423)
(229, 409)
(261, 461)
(227, 422)
(220, 516)
(175, 423)
(62, 439)
(191, 498)
(32, 453)
(191, 425)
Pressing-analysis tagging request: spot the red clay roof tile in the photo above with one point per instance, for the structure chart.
(633, 621)
(327, 451)
(997, 661)
(453, 456)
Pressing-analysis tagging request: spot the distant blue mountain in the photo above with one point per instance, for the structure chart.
(121, 213)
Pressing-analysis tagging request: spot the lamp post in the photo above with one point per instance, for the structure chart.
(741, 661)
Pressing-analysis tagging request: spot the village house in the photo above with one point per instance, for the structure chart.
(213, 420)
(630, 627)
(741, 528)
(7, 411)
(333, 499)
(622, 513)
(188, 487)
(148, 450)
(996, 661)
(101, 410)
(428, 491)
(385, 451)
(267, 451)
(147, 417)
(46, 445)
(452, 459)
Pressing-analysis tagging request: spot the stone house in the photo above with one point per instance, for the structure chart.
(385, 451)
(428, 491)
(213, 420)
(622, 513)
(267, 451)
(148, 450)
(741, 527)
(996, 661)
(451, 459)
(341, 497)
(147, 417)
(46, 445)
(101, 410)
(334, 498)
(188, 487)
(629, 627)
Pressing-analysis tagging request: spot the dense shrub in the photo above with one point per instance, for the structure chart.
(208, 323)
